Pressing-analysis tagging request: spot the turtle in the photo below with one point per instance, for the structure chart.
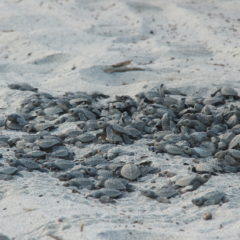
(15, 121)
(80, 183)
(167, 191)
(210, 198)
(204, 118)
(217, 100)
(35, 154)
(88, 114)
(234, 153)
(22, 87)
(95, 160)
(227, 137)
(104, 174)
(55, 110)
(86, 138)
(206, 168)
(112, 136)
(172, 138)
(111, 193)
(62, 164)
(198, 137)
(81, 100)
(191, 101)
(191, 183)
(47, 143)
(90, 125)
(235, 142)
(165, 122)
(149, 194)
(130, 171)
(27, 163)
(115, 183)
(115, 152)
(61, 152)
(232, 121)
(8, 170)
(236, 129)
(177, 150)
(229, 92)
(133, 132)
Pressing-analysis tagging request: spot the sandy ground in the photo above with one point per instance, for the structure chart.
(64, 45)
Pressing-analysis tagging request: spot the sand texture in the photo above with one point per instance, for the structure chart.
(63, 46)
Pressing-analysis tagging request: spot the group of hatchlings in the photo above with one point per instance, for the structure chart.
(194, 127)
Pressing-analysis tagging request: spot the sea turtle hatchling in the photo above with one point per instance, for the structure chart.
(35, 154)
(24, 162)
(55, 110)
(112, 193)
(22, 87)
(80, 183)
(206, 168)
(130, 171)
(46, 144)
(229, 92)
(86, 138)
(112, 136)
(191, 183)
(235, 143)
(210, 198)
(115, 183)
(8, 170)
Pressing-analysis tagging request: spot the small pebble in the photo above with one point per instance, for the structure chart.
(207, 216)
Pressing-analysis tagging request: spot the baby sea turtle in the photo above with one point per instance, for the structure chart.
(36, 154)
(61, 152)
(206, 168)
(202, 152)
(167, 191)
(112, 136)
(46, 144)
(234, 153)
(8, 170)
(190, 183)
(130, 171)
(22, 87)
(80, 183)
(149, 194)
(112, 193)
(235, 142)
(115, 183)
(53, 110)
(217, 100)
(94, 160)
(63, 165)
(15, 122)
(210, 198)
(86, 138)
(115, 152)
(229, 92)
(24, 162)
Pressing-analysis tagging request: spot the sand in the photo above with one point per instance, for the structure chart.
(64, 45)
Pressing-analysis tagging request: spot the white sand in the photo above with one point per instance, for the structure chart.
(194, 46)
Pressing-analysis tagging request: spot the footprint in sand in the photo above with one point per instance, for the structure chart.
(55, 58)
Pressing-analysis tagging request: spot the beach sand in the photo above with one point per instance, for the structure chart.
(65, 45)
